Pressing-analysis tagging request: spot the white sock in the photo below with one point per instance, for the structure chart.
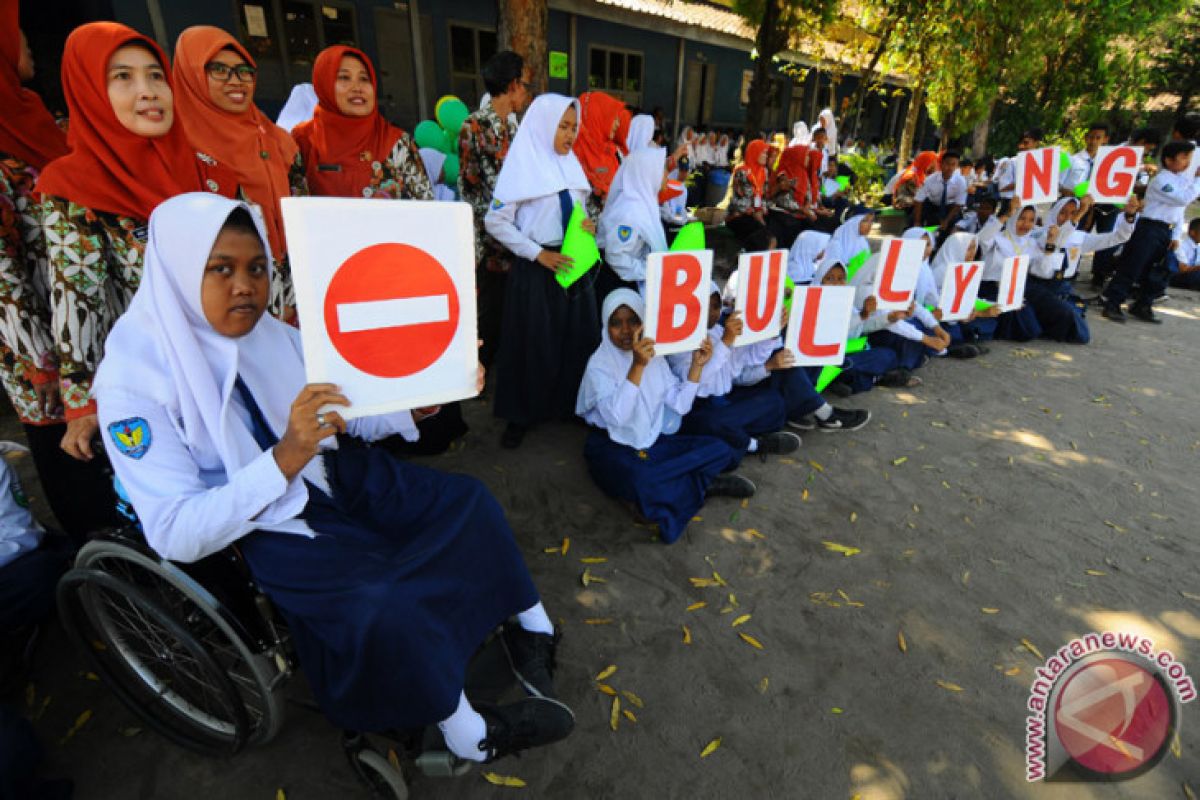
(753, 447)
(464, 730)
(535, 619)
(824, 412)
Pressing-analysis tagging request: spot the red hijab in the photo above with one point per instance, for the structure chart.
(595, 147)
(798, 164)
(249, 143)
(756, 171)
(333, 138)
(622, 136)
(27, 130)
(920, 165)
(110, 168)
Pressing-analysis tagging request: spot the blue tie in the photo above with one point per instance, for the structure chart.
(259, 428)
(566, 206)
(945, 188)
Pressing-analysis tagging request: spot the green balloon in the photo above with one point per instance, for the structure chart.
(843, 182)
(689, 237)
(451, 115)
(856, 263)
(449, 144)
(429, 134)
(1064, 161)
(450, 170)
(1081, 189)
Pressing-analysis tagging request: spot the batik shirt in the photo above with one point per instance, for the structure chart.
(744, 198)
(401, 176)
(783, 197)
(26, 346)
(483, 144)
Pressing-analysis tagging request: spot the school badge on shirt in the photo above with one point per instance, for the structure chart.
(131, 436)
(624, 232)
(496, 204)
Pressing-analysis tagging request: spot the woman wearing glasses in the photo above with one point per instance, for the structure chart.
(215, 78)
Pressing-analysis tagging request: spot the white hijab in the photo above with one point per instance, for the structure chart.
(1007, 244)
(927, 286)
(800, 134)
(641, 132)
(802, 258)
(635, 204)
(826, 121)
(300, 105)
(846, 242)
(607, 369)
(532, 168)
(165, 350)
(953, 251)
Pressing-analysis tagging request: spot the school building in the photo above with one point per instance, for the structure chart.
(690, 59)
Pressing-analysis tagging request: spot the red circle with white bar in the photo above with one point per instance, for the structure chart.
(391, 310)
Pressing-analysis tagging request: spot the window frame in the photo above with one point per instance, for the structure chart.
(625, 95)
(476, 28)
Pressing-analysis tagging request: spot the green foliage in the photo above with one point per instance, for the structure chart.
(868, 177)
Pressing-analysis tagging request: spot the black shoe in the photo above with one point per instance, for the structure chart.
(531, 722)
(1162, 298)
(531, 656)
(963, 351)
(513, 435)
(1144, 313)
(844, 419)
(731, 485)
(839, 389)
(1113, 313)
(899, 378)
(1097, 281)
(778, 444)
(806, 423)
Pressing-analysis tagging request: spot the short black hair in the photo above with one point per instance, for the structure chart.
(1100, 126)
(1151, 136)
(966, 162)
(501, 70)
(1033, 133)
(1188, 126)
(819, 129)
(951, 154)
(1172, 149)
(240, 220)
(986, 200)
(1194, 225)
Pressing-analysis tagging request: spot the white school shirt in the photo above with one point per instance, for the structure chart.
(750, 361)
(1006, 175)
(1188, 252)
(1168, 196)
(1080, 171)
(969, 223)
(19, 531)
(1045, 265)
(617, 407)
(627, 258)
(716, 379)
(529, 226)
(189, 506)
(931, 190)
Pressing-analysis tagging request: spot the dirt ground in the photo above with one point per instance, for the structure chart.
(994, 487)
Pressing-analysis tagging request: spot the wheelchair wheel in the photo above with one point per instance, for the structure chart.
(383, 779)
(163, 644)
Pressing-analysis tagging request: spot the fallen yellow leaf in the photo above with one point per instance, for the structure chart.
(604, 688)
(1095, 572)
(628, 715)
(1187, 791)
(80, 721)
(593, 560)
(990, 610)
(750, 640)
(717, 577)
(615, 716)
(700, 583)
(606, 672)
(633, 698)
(710, 748)
(598, 621)
(503, 780)
(815, 465)
(901, 642)
(744, 618)
(697, 606)
(898, 461)
(841, 548)
(950, 687)
(853, 516)
(280, 794)
(733, 599)
(551, 549)
(566, 545)
(754, 533)
(746, 503)
(1011, 671)
(836, 710)
(687, 635)
(763, 684)
(1176, 750)
(804, 495)
(1031, 647)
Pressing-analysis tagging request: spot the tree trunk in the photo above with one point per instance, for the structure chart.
(980, 136)
(523, 29)
(915, 103)
(767, 44)
(946, 129)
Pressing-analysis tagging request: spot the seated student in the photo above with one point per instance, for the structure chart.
(747, 209)
(1003, 237)
(390, 575)
(787, 196)
(673, 210)
(941, 199)
(974, 220)
(1183, 263)
(806, 253)
(1048, 289)
(849, 240)
(929, 295)
(960, 248)
(630, 227)
(750, 420)
(904, 192)
(635, 405)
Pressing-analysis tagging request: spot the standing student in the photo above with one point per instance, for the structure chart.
(1006, 170)
(1002, 238)
(1183, 263)
(390, 575)
(215, 79)
(127, 155)
(942, 197)
(635, 405)
(800, 134)
(483, 144)
(1167, 197)
(630, 228)
(1100, 218)
(349, 149)
(595, 146)
(747, 208)
(549, 332)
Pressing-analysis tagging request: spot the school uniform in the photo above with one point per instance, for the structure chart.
(635, 451)
(804, 255)
(939, 196)
(904, 337)
(630, 228)
(1006, 180)
(998, 243)
(389, 575)
(30, 561)
(548, 332)
(1167, 197)
(861, 370)
(1186, 255)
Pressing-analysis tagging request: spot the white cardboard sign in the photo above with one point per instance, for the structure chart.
(897, 272)
(959, 290)
(1037, 175)
(1115, 173)
(1012, 283)
(759, 298)
(386, 297)
(677, 289)
(817, 327)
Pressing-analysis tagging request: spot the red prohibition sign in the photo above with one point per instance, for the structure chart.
(391, 310)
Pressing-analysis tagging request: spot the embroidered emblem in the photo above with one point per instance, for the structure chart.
(207, 159)
(212, 185)
(624, 232)
(496, 204)
(131, 436)
(1168, 188)
(367, 191)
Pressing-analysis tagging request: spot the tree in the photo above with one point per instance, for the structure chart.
(1177, 69)
(523, 29)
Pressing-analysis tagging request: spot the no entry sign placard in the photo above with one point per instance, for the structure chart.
(386, 294)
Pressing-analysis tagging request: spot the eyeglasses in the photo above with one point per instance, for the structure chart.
(223, 72)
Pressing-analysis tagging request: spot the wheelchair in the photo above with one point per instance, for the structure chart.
(199, 654)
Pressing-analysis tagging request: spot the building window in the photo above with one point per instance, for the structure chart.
(618, 72)
(306, 27)
(470, 49)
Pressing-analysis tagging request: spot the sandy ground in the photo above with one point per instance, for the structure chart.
(993, 486)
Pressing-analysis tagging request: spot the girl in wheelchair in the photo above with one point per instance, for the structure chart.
(390, 575)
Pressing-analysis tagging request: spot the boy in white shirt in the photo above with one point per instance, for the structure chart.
(1183, 262)
(942, 197)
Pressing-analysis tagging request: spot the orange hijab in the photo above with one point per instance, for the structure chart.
(796, 164)
(333, 139)
(249, 143)
(622, 136)
(920, 165)
(27, 130)
(756, 171)
(595, 147)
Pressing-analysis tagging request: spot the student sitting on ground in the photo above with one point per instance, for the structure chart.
(1183, 262)
(1002, 238)
(635, 406)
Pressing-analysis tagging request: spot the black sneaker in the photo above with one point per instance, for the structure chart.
(1144, 313)
(1113, 313)
(806, 423)
(731, 485)
(530, 722)
(898, 378)
(839, 388)
(844, 419)
(963, 351)
(778, 444)
(531, 656)
(513, 435)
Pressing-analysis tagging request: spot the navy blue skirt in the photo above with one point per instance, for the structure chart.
(909, 353)
(666, 482)
(736, 417)
(410, 570)
(1058, 311)
(862, 369)
(1020, 325)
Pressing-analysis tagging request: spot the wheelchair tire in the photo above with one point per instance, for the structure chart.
(153, 663)
(384, 780)
(257, 676)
